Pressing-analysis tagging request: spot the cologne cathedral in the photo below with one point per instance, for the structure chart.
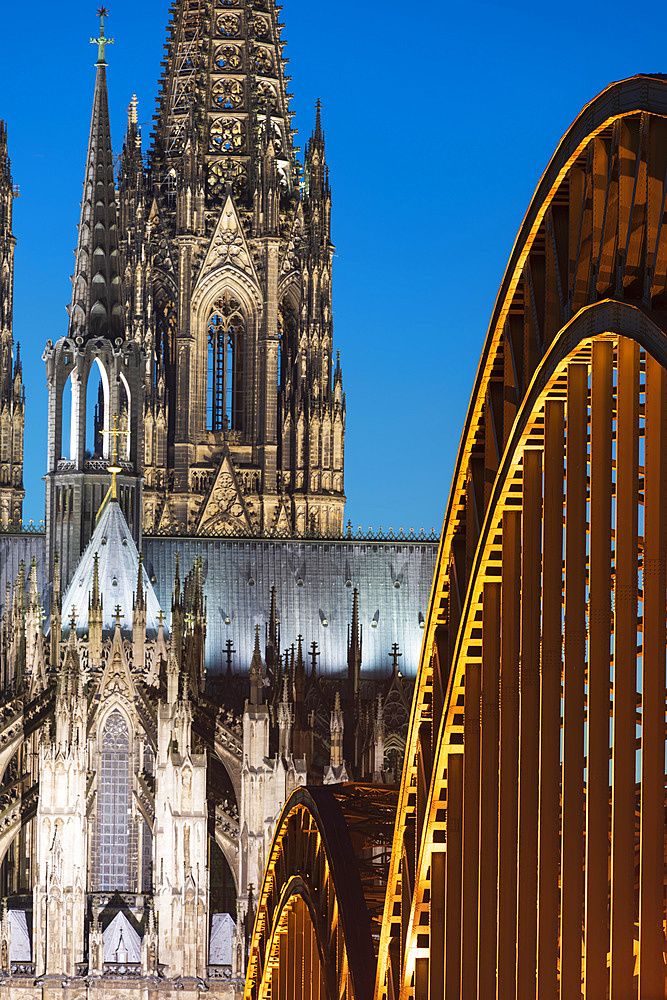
(196, 633)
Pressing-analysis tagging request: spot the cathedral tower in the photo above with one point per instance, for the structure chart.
(96, 350)
(228, 260)
(12, 394)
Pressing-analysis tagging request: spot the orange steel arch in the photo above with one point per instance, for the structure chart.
(537, 739)
(312, 935)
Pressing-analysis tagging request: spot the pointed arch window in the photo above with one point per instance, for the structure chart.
(226, 342)
(114, 807)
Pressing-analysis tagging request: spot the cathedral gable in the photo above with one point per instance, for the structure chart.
(117, 680)
(228, 246)
(224, 508)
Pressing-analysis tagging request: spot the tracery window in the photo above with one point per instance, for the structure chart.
(227, 135)
(226, 334)
(113, 806)
(228, 94)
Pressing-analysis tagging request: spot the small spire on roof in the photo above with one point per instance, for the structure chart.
(95, 596)
(139, 599)
(318, 119)
(313, 657)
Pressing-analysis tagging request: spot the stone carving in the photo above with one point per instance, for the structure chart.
(228, 245)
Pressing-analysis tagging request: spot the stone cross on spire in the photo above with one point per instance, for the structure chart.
(102, 41)
(114, 468)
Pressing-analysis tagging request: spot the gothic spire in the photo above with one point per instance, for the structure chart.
(354, 649)
(272, 651)
(139, 601)
(7, 241)
(96, 308)
(256, 674)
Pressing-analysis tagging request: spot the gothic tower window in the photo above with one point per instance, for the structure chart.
(226, 330)
(114, 806)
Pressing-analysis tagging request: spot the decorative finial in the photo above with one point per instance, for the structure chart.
(161, 618)
(118, 616)
(101, 42)
(73, 618)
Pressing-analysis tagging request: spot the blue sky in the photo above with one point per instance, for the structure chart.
(439, 120)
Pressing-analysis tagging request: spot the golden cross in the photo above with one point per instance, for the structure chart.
(118, 615)
(102, 42)
(114, 468)
(161, 618)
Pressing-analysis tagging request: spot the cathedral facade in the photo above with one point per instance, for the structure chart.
(196, 633)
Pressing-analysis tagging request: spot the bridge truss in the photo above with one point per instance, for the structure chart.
(528, 857)
(529, 849)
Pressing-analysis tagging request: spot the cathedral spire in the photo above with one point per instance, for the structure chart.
(224, 79)
(96, 308)
(12, 399)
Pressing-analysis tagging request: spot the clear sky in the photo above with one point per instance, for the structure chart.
(439, 121)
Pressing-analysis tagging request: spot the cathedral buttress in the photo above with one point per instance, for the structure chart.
(229, 276)
(12, 393)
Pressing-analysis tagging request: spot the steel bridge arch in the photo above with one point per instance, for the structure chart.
(603, 337)
(312, 936)
(590, 261)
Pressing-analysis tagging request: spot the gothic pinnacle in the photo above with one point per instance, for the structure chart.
(139, 601)
(256, 673)
(96, 308)
(318, 135)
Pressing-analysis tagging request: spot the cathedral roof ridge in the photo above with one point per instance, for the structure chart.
(113, 551)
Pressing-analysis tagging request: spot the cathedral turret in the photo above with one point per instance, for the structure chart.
(337, 771)
(95, 357)
(285, 720)
(59, 897)
(229, 281)
(181, 840)
(12, 394)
